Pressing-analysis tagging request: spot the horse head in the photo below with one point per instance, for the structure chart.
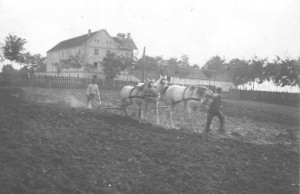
(147, 87)
(160, 83)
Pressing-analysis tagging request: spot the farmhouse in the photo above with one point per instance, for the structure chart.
(91, 47)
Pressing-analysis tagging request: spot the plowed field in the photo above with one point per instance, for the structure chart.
(50, 144)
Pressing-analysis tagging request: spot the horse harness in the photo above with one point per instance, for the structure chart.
(183, 99)
(148, 94)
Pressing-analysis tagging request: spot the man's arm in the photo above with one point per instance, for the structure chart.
(98, 94)
(218, 101)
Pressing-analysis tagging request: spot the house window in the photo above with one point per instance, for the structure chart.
(96, 51)
(95, 65)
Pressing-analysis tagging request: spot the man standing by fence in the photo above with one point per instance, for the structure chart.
(91, 93)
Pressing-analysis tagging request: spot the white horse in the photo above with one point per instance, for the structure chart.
(193, 97)
(139, 95)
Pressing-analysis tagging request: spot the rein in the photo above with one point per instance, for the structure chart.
(183, 98)
(142, 97)
(186, 99)
(147, 95)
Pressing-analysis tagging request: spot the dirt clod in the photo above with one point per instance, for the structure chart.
(54, 148)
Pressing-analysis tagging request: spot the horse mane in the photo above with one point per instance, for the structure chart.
(200, 90)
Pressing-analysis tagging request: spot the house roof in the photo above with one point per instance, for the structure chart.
(185, 72)
(148, 74)
(124, 43)
(223, 77)
(180, 72)
(73, 42)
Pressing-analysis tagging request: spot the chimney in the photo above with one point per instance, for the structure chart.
(89, 33)
(128, 35)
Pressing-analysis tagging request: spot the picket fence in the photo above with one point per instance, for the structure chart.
(18, 79)
(283, 98)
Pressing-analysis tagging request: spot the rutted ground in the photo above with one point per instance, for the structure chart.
(50, 147)
(245, 120)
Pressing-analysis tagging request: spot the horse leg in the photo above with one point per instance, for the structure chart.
(191, 111)
(171, 108)
(157, 116)
(123, 108)
(140, 112)
(145, 110)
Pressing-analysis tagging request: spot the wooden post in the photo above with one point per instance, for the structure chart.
(143, 75)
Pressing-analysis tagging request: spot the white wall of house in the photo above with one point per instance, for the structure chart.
(189, 81)
(56, 56)
(102, 40)
(226, 86)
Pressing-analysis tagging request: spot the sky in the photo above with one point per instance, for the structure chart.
(200, 29)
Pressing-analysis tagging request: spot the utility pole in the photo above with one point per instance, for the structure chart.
(143, 75)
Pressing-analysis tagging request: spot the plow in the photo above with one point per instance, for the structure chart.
(111, 104)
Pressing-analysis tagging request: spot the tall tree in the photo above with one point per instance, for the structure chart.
(255, 71)
(40, 63)
(13, 48)
(8, 69)
(184, 62)
(238, 71)
(283, 72)
(1, 56)
(33, 63)
(214, 66)
(177, 68)
(173, 61)
(112, 65)
(153, 63)
(129, 63)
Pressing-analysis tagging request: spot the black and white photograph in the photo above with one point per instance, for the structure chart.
(149, 97)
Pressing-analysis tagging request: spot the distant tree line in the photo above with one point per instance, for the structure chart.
(282, 72)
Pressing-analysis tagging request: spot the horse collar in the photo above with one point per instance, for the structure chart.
(164, 90)
(184, 93)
